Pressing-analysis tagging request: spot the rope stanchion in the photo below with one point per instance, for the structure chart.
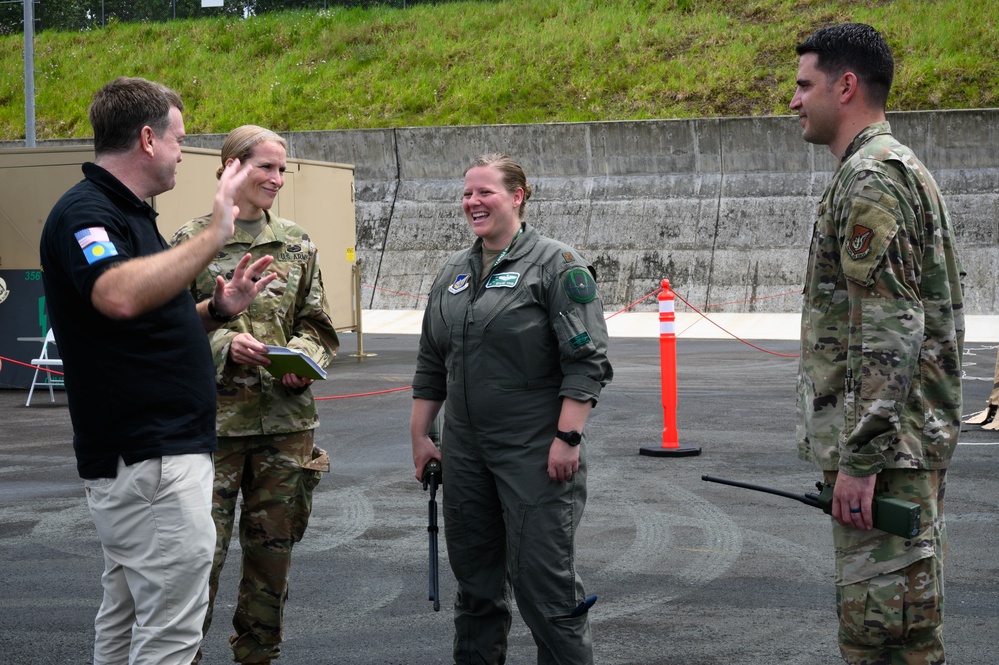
(356, 272)
(667, 365)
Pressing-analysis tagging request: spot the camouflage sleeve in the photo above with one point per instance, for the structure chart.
(313, 332)
(575, 311)
(879, 250)
(202, 288)
(183, 234)
(225, 368)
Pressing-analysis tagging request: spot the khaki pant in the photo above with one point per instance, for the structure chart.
(155, 527)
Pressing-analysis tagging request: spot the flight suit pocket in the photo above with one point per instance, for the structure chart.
(574, 340)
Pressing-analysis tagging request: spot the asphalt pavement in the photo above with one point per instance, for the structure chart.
(687, 572)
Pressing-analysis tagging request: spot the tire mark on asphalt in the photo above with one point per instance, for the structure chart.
(689, 538)
(60, 524)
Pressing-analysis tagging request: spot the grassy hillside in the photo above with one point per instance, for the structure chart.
(484, 62)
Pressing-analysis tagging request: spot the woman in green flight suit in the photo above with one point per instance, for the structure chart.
(514, 341)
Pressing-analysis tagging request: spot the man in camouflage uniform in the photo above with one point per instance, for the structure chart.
(265, 424)
(879, 395)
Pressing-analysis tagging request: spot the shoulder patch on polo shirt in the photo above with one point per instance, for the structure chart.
(579, 285)
(95, 244)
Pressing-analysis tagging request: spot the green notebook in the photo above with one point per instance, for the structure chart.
(289, 361)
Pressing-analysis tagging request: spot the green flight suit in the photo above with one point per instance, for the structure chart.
(502, 353)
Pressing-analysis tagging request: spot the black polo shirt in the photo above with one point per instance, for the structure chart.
(138, 388)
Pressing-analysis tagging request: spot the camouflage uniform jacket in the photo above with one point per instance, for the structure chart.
(882, 324)
(291, 311)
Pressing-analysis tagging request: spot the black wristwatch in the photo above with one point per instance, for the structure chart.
(218, 316)
(573, 438)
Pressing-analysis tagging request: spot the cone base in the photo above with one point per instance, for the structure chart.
(659, 451)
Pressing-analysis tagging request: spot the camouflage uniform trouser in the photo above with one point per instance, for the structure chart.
(277, 499)
(893, 615)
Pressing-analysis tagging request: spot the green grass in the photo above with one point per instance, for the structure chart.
(486, 62)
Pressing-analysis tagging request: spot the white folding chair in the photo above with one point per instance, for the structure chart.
(43, 362)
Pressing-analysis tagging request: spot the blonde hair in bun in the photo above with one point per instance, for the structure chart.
(513, 174)
(240, 142)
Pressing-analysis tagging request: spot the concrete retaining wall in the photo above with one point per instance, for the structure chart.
(723, 208)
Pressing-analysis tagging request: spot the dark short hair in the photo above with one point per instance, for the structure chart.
(124, 106)
(857, 48)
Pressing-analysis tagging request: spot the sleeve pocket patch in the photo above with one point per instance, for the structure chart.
(870, 228)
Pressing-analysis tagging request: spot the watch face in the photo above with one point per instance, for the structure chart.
(572, 438)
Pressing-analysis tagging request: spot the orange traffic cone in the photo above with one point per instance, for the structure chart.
(667, 363)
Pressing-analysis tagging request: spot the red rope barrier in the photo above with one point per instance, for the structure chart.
(30, 366)
(611, 316)
(398, 293)
(732, 335)
(738, 302)
(626, 307)
(376, 392)
(645, 297)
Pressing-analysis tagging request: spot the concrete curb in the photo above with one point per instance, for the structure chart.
(689, 325)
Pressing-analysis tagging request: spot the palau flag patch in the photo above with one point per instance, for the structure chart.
(95, 244)
(460, 284)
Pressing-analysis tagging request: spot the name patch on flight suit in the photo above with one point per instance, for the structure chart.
(503, 279)
(460, 284)
(579, 285)
(582, 339)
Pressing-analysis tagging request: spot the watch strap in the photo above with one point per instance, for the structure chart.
(573, 438)
(217, 315)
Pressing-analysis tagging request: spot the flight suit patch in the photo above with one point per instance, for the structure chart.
(460, 284)
(579, 285)
(582, 339)
(503, 280)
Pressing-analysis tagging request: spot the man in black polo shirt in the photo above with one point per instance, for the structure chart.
(139, 373)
